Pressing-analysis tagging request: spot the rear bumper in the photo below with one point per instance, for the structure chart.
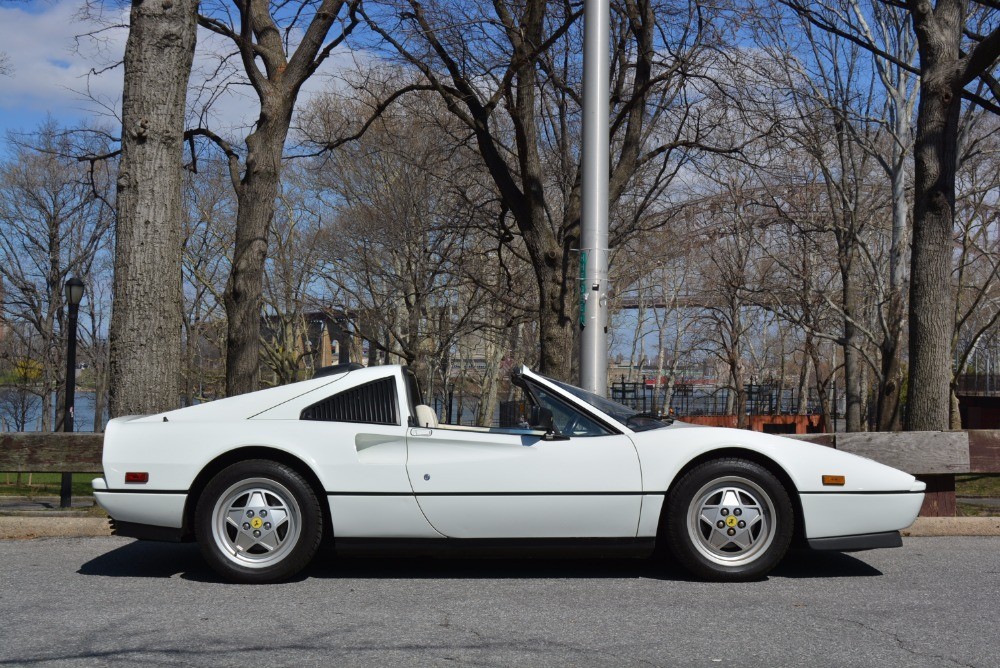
(147, 532)
(868, 541)
(163, 510)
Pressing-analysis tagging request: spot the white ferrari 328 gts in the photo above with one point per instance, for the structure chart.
(354, 456)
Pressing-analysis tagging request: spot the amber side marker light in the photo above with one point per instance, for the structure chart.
(837, 480)
(134, 476)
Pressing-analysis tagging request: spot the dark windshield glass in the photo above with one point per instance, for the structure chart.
(623, 414)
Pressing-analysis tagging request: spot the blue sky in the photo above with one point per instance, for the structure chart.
(53, 55)
(50, 66)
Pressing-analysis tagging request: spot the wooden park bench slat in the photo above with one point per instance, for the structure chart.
(52, 452)
(916, 452)
(984, 450)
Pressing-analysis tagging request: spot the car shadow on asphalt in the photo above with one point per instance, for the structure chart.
(142, 559)
(803, 563)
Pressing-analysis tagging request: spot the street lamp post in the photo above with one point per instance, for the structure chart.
(594, 224)
(74, 294)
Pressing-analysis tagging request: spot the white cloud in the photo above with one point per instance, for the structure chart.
(50, 65)
(58, 70)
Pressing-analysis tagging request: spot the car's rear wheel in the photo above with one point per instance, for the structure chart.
(729, 520)
(258, 521)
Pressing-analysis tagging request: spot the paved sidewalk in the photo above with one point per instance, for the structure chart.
(22, 518)
(954, 526)
(22, 528)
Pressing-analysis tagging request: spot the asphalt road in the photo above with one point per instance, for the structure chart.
(112, 601)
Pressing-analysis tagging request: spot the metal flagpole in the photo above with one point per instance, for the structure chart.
(594, 233)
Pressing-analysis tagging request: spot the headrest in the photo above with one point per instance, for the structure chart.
(426, 417)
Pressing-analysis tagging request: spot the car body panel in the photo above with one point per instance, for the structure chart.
(664, 452)
(582, 486)
(403, 481)
(247, 405)
(379, 516)
(828, 515)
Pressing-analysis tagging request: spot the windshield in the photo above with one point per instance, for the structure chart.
(623, 414)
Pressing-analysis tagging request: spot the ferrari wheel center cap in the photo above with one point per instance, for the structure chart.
(256, 523)
(731, 521)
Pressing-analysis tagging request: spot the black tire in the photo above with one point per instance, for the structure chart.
(257, 522)
(729, 520)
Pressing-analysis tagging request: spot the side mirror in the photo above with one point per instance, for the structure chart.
(541, 418)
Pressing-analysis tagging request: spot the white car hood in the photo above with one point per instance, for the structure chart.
(804, 462)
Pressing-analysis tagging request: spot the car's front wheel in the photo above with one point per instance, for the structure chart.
(258, 521)
(729, 520)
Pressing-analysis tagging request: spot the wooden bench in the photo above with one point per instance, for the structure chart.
(933, 456)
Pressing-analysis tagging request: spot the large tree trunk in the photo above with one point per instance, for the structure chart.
(889, 406)
(555, 324)
(100, 388)
(852, 355)
(889, 415)
(931, 309)
(263, 44)
(488, 398)
(827, 410)
(244, 289)
(145, 335)
(740, 403)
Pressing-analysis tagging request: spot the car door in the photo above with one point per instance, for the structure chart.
(497, 483)
(358, 439)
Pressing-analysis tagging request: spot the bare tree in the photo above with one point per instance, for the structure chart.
(656, 276)
(145, 339)
(209, 221)
(403, 223)
(510, 74)
(728, 313)
(976, 273)
(93, 336)
(890, 29)
(51, 227)
(952, 56)
(19, 379)
(280, 47)
(293, 264)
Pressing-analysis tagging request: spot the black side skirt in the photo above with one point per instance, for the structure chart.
(868, 541)
(498, 547)
(147, 532)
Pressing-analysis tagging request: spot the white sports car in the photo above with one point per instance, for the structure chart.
(355, 456)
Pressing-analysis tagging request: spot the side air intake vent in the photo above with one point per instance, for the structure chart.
(371, 403)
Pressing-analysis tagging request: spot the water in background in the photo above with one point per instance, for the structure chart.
(83, 410)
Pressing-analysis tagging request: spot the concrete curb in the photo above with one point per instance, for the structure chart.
(954, 526)
(21, 528)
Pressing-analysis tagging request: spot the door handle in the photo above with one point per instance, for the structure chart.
(421, 432)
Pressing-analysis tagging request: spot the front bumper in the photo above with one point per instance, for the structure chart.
(837, 514)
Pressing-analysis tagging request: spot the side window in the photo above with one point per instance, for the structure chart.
(568, 421)
(371, 403)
